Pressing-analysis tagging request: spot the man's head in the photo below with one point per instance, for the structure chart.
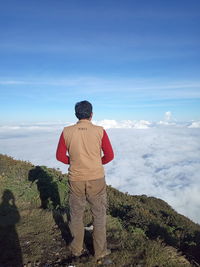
(83, 110)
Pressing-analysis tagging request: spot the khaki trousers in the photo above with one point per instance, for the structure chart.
(94, 191)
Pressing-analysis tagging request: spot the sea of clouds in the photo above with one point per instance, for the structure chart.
(157, 159)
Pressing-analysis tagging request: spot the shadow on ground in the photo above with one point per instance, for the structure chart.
(10, 249)
(50, 199)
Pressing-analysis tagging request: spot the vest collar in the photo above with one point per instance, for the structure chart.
(84, 121)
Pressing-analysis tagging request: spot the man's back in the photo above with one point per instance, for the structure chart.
(84, 141)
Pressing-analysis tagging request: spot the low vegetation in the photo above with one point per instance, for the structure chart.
(142, 231)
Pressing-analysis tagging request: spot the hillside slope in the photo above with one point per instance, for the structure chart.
(142, 231)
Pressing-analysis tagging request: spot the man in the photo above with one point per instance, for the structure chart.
(80, 146)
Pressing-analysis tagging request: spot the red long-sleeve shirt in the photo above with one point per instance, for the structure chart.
(61, 153)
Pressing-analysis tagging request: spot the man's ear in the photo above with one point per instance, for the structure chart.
(91, 116)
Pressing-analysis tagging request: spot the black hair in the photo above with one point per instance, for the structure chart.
(83, 110)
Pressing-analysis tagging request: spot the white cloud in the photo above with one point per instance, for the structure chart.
(107, 124)
(168, 116)
(168, 120)
(195, 124)
(24, 128)
(161, 161)
(142, 88)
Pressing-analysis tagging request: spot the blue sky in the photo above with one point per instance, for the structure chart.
(131, 59)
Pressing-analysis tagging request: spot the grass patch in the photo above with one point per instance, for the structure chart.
(141, 230)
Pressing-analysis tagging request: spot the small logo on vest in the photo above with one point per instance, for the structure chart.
(82, 128)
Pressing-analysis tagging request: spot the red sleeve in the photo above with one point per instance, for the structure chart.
(107, 149)
(62, 151)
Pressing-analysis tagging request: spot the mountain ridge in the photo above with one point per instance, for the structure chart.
(142, 231)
